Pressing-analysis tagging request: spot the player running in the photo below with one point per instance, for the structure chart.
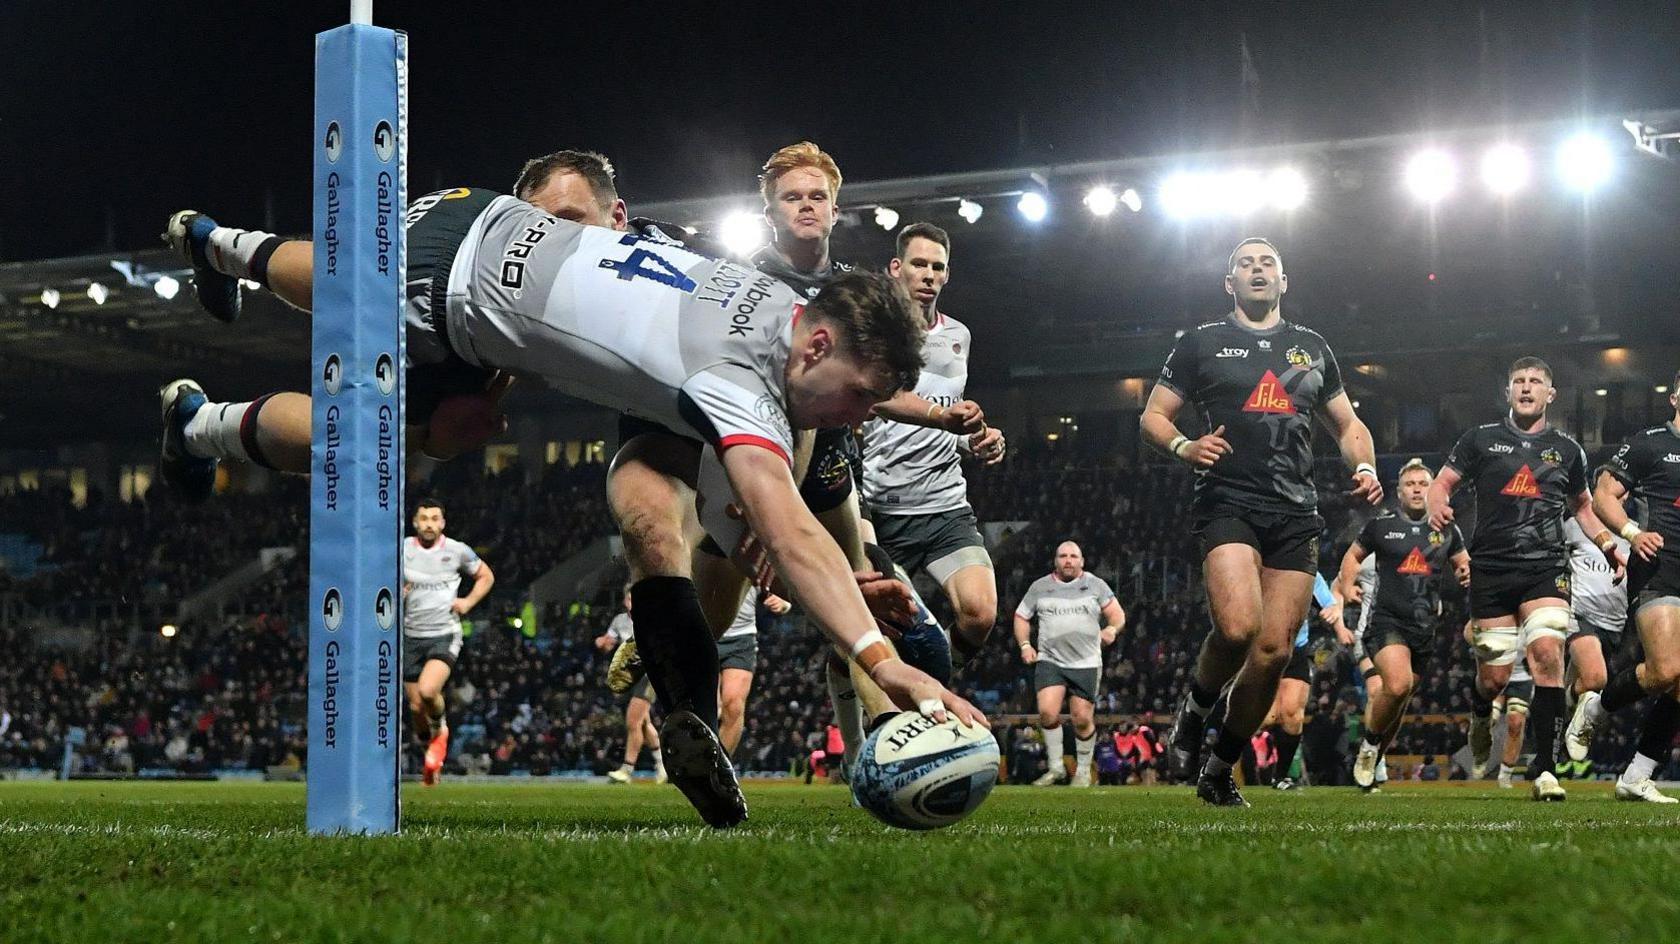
(639, 730)
(1528, 476)
(738, 660)
(1288, 715)
(1257, 380)
(1411, 558)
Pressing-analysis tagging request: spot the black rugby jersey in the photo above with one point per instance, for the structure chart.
(1263, 387)
(770, 262)
(1525, 485)
(1411, 559)
(1648, 463)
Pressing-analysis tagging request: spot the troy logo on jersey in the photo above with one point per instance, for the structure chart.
(1269, 397)
(1414, 564)
(1522, 485)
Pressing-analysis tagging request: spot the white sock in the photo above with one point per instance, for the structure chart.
(1504, 771)
(1054, 748)
(213, 432)
(848, 712)
(230, 250)
(626, 767)
(1082, 748)
(1596, 713)
(658, 758)
(440, 724)
(1640, 768)
(1382, 769)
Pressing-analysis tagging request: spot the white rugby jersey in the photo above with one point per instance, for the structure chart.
(915, 470)
(698, 345)
(746, 618)
(432, 581)
(1593, 594)
(621, 629)
(1366, 580)
(1069, 619)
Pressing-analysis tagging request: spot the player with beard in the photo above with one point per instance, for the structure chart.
(1257, 380)
(1645, 467)
(1528, 476)
(1404, 609)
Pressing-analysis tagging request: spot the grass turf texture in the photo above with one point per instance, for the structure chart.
(231, 862)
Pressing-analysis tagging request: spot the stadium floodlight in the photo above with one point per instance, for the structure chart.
(1237, 192)
(1101, 200)
(1505, 169)
(1601, 392)
(1661, 388)
(969, 210)
(741, 232)
(1288, 188)
(49, 297)
(166, 287)
(167, 630)
(98, 292)
(1431, 175)
(1183, 195)
(1033, 207)
(886, 218)
(1130, 199)
(1585, 162)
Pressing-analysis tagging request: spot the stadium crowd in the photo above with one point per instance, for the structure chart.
(229, 693)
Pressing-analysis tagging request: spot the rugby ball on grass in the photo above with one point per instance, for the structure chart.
(916, 773)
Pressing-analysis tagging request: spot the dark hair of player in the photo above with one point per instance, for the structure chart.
(591, 166)
(876, 323)
(926, 231)
(1231, 263)
(1527, 363)
(429, 503)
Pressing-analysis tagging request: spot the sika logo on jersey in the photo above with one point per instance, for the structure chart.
(1522, 485)
(1269, 397)
(1414, 564)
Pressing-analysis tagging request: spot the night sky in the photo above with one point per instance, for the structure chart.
(114, 114)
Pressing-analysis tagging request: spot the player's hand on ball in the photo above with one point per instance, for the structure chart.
(1646, 544)
(1029, 655)
(888, 599)
(914, 690)
(1202, 453)
(1366, 488)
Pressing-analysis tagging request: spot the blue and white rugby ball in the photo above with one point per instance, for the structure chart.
(915, 773)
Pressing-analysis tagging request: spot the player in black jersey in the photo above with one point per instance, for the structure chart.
(1647, 467)
(1527, 476)
(1405, 606)
(1257, 380)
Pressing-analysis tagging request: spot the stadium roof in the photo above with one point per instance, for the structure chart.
(1075, 293)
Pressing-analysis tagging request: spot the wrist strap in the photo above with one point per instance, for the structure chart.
(1176, 447)
(1632, 530)
(1365, 468)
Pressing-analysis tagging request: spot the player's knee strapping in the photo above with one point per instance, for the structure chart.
(676, 645)
(1497, 645)
(1547, 622)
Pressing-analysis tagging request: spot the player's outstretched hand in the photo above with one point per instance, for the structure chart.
(1366, 488)
(914, 690)
(888, 598)
(1646, 544)
(1204, 452)
(963, 417)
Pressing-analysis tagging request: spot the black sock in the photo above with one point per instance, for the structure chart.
(1545, 718)
(1622, 691)
(1656, 735)
(1286, 745)
(676, 645)
(1480, 705)
(1201, 696)
(259, 259)
(1229, 746)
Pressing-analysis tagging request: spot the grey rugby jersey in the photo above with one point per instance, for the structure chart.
(1069, 619)
(915, 470)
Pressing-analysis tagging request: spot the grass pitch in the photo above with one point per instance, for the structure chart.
(230, 862)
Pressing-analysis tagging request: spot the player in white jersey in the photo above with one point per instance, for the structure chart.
(1598, 611)
(738, 658)
(433, 566)
(713, 351)
(1077, 615)
(913, 481)
(638, 704)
